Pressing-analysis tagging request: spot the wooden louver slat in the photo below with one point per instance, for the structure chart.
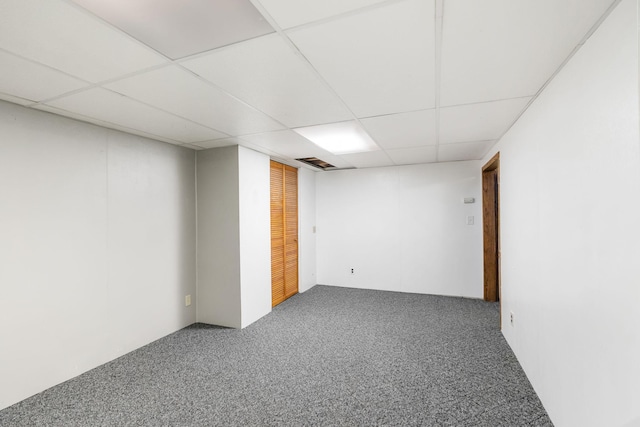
(284, 232)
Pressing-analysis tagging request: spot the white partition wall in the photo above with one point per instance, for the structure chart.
(97, 246)
(306, 229)
(151, 240)
(255, 235)
(401, 229)
(570, 181)
(234, 244)
(218, 299)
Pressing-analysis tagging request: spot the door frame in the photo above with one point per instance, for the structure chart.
(491, 230)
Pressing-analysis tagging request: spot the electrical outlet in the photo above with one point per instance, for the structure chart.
(187, 300)
(511, 317)
(352, 271)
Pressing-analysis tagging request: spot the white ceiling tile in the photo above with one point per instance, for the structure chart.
(286, 143)
(498, 49)
(370, 159)
(415, 155)
(298, 165)
(335, 160)
(111, 107)
(15, 99)
(403, 130)
(36, 82)
(178, 29)
(191, 146)
(475, 122)
(266, 73)
(463, 151)
(64, 37)
(289, 13)
(180, 92)
(286, 146)
(102, 123)
(216, 143)
(259, 149)
(379, 61)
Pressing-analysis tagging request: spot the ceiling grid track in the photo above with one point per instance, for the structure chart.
(557, 71)
(389, 69)
(169, 61)
(306, 61)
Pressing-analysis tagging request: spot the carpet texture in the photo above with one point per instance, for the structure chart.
(328, 357)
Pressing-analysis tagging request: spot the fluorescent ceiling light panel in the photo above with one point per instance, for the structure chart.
(179, 28)
(339, 138)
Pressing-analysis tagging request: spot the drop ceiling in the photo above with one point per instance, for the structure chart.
(427, 80)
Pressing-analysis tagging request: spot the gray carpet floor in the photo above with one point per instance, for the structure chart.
(329, 357)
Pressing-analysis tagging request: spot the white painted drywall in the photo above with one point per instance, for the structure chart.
(570, 187)
(97, 230)
(255, 235)
(401, 229)
(234, 241)
(151, 240)
(306, 232)
(219, 292)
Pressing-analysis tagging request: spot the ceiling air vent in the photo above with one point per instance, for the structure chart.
(316, 163)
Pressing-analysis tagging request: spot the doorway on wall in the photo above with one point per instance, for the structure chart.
(284, 232)
(491, 228)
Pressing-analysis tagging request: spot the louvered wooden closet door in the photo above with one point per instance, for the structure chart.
(290, 231)
(284, 232)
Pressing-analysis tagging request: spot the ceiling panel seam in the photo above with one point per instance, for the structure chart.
(113, 27)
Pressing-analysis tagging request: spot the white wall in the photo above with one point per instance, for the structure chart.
(306, 232)
(234, 241)
(570, 181)
(219, 297)
(255, 234)
(151, 239)
(97, 246)
(401, 229)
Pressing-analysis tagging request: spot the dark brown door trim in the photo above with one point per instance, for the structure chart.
(491, 228)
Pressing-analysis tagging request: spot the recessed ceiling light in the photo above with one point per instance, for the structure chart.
(339, 138)
(179, 28)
